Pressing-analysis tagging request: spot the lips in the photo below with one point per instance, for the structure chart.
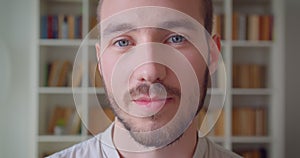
(147, 101)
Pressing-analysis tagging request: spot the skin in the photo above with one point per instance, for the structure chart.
(153, 73)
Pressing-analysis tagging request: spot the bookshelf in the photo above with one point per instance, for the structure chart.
(268, 53)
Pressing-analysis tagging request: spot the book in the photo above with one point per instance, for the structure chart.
(78, 27)
(260, 121)
(219, 129)
(257, 76)
(235, 26)
(243, 121)
(235, 78)
(61, 19)
(253, 27)
(44, 27)
(218, 25)
(63, 75)
(242, 25)
(252, 153)
(71, 26)
(55, 27)
(77, 75)
(66, 117)
(248, 76)
(249, 121)
(50, 27)
(93, 22)
(60, 116)
(58, 73)
(74, 123)
(244, 76)
(54, 73)
(266, 28)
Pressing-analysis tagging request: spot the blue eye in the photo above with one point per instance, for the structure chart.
(122, 43)
(176, 39)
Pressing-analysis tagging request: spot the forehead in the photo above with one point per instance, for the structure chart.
(189, 7)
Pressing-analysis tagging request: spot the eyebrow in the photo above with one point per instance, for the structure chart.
(178, 24)
(114, 28)
(172, 24)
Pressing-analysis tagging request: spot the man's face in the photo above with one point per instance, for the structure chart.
(148, 74)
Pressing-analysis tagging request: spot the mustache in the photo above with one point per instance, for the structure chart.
(144, 89)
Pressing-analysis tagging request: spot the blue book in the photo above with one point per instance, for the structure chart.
(55, 26)
(44, 27)
(78, 26)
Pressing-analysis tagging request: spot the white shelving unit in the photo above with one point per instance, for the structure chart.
(270, 53)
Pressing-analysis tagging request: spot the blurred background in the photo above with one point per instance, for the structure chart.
(38, 44)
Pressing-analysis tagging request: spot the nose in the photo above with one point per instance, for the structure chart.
(150, 72)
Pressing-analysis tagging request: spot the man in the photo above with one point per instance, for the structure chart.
(155, 70)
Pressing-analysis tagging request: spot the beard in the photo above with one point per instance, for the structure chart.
(158, 134)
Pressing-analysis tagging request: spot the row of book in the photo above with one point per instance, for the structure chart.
(61, 27)
(219, 127)
(66, 118)
(248, 76)
(59, 74)
(246, 121)
(249, 121)
(252, 27)
(252, 153)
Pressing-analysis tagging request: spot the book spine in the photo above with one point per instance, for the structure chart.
(253, 27)
(55, 26)
(50, 26)
(242, 22)
(71, 27)
(235, 26)
(44, 27)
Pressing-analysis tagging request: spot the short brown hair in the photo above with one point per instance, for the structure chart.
(207, 12)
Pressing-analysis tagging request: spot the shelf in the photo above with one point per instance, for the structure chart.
(215, 92)
(65, 1)
(59, 42)
(92, 42)
(263, 53)
(217, 139)
(252, 43)
(58, 90)
(53, 138)
(69, 90)
(260, 91)
(251, 2)
(97, 90)
(251, 139)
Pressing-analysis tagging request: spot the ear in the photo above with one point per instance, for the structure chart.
(98, 50)
(215, 52)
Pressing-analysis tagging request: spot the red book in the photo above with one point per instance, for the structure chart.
(50, 26)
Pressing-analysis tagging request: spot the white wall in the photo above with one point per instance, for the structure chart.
(293, 78)
(17, 25)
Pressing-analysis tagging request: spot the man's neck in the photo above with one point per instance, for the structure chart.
(185, 146)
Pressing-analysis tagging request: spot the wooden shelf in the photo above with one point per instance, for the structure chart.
(59, 42)
(252, 43)
(252, 139)
(243, 91)
(255, 52)
(62, 138)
